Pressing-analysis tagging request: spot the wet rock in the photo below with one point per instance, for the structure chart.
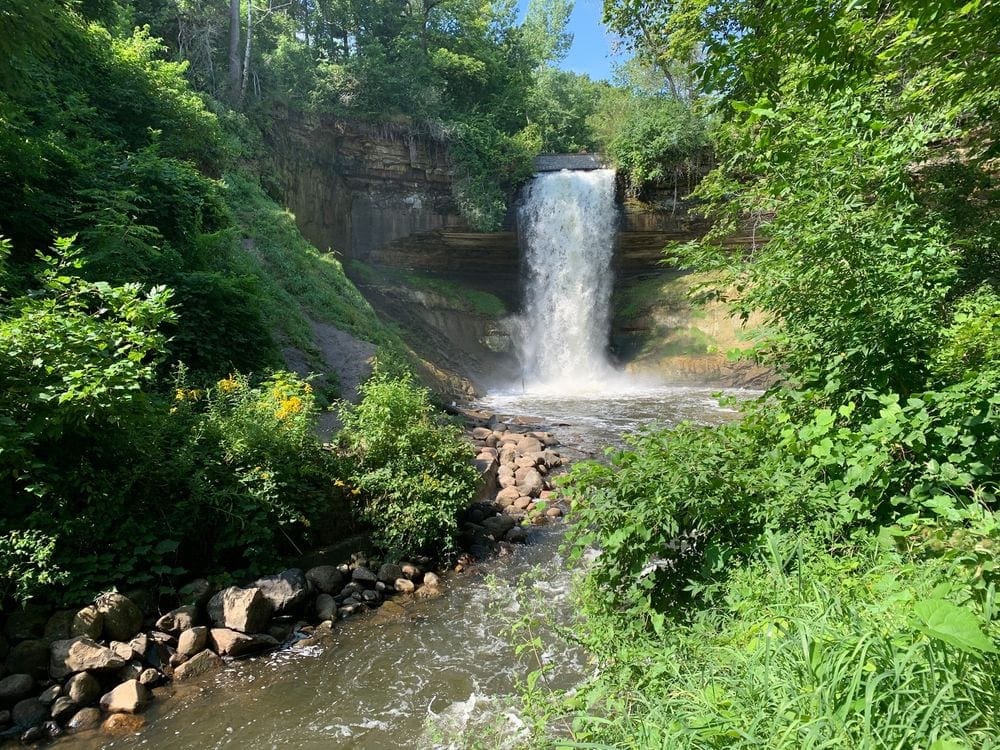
(33, 735)
(58, 626)
(179, 619)
(28, 712)
(498, 526)
(29, 657)
(85, 718)
(326, 607)
(326, 579)
(122, 724)
(52, 729)
(517, 535)
(15, 687)
(140, 646)
(389, 572)
(63, 708)
(199, 664)
(364, 577)
(287, 592)
(81, 655)
(128, 698)
(246, 610)
(431, 580)
(83, 689)
(122, 618)
(404, 585)
(49, 695)
(88, 622)
(370, 596)
(192, 640)
(149, 677)
(227, 642)
(130, 671)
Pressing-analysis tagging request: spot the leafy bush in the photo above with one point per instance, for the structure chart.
(413, 473)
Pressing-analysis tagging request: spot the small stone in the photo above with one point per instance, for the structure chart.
(553, 512)
(370, 596)
(52, 729)
(129, 698)
(326, 607)
(33, 735)
(122, 618)
(130, 671)
(179, 619)
(404, 585)
(517, 535)
(15, 687)
(85, 718)
(28, 713)
(122, 724)
(431, 580)
(83, 689)
(325, 578)
(49, 695)
(192, 641)
(149, 677)
(63, 708)
(199, 664)
(88, 622)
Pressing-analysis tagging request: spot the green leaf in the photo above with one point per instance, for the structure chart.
(954, 625)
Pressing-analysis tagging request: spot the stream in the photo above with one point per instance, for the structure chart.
(434, 670)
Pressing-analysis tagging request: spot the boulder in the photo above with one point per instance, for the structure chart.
(192, 640)
(81, 655)
(287, 592)
(122, 618)
(88, 622)
(29, 657)
(498, 526)
(28, 712)
(122, 724)
(522, 503)
(326, 607)
(529, 444)
(481, 433)
(411, 571)
(149, 677)
(326, 579)
(507, 496)
(15, 687)
(128, 698)
(83, 689)
(389, 572)
(85, 718)
(529, 482)
(199, 664)
(177, 620)
(404, 585)
(49, 695)
(58, 626)
(246, 610)
(431, 580)
(364, 577)
(228, 642)
(63, 708)
(123, 650)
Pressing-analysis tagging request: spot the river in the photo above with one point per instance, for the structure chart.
(437, 672)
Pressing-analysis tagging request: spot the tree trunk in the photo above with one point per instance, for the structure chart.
(246, 51)
(235, 72)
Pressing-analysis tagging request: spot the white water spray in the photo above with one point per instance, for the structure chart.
(567, 221)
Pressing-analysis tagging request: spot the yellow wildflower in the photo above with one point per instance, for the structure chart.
(228, 385)
(179, 394)
(339, 483)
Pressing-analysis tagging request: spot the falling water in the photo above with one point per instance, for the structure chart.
(568, 221)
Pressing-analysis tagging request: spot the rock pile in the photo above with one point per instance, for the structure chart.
(99, 667)
(517, 464)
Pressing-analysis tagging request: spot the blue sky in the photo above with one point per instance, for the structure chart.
(591, 50)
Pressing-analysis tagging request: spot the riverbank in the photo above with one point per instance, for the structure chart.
(93, 672)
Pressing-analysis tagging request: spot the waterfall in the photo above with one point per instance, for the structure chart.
(567, 221)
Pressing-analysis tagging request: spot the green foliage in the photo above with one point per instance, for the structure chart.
(413, 473)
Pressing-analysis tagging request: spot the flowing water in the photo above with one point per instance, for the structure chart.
(447, 667)
(567, 221)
